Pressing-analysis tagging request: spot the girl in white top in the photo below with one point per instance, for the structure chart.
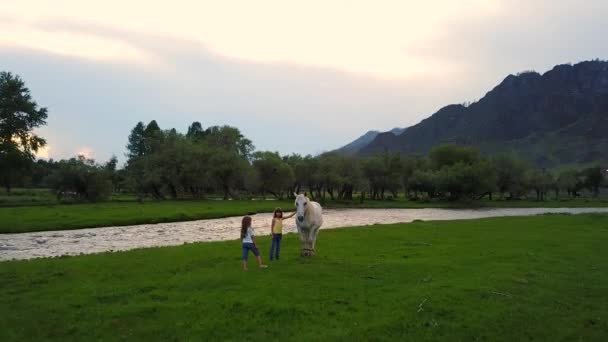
(248, 240)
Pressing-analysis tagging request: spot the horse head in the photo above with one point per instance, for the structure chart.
(301, 206)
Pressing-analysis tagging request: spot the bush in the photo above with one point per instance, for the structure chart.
(80, 179)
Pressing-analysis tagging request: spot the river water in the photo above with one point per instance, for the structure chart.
(95, 240)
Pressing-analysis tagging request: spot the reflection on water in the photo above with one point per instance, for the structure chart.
(94, 240)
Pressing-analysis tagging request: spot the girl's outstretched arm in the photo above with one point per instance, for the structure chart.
(288, 216)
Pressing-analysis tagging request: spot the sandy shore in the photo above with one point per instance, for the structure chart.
(95, 240)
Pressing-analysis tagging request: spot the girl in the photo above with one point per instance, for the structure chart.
(276, 229)
(248, 239)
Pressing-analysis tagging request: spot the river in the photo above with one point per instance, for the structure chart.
(96, 240)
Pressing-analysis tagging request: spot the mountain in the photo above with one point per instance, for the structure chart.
(559, 117)
(362, 141)
(397, 130)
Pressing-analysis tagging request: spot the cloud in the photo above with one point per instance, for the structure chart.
(280, 106)
(291, 107)
(522, 35)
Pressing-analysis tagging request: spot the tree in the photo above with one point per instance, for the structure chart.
(384, 173)
(449, 154)
(350, 177)
(152, 137)
(19, 116)
(307, 175)
(593, 179)
(110, 168)
(569, 181)
(137, 145)
(510, 175)
(540, 181)
(228, 170)
(423, 181)
(81, 179)
(408, 166)
(229, 138)
(327, 176)
(274, 174)
(294, 161)
(40, 172)
(466, 181)
(195, 131)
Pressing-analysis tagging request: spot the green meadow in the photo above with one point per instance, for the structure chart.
(500, 279)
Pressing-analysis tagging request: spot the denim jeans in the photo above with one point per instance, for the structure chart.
(276, 246)
(248, 246)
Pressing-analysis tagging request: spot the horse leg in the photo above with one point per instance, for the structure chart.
(310, 243)
(302, 240)
(314, 239)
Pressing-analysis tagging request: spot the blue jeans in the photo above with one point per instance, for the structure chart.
(248, 246)
(276, 246)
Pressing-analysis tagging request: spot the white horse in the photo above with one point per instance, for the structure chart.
(309, 218)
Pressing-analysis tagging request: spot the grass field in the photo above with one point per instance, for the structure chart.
(502, 279)
(40, 196)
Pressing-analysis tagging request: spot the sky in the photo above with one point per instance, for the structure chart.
(293, 76)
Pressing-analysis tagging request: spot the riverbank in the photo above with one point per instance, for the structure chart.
(498, 279)
(124, 213)
(122, 238)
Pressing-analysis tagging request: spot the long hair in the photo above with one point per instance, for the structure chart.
(244, 225)
(277, 211)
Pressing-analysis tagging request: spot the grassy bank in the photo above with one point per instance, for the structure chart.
(510, 279)
(41, 218)
(19, 219)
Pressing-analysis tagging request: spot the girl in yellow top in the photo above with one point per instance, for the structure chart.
(277, 232)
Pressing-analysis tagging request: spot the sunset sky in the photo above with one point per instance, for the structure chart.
(294, 76)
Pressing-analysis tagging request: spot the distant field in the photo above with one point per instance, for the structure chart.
(502, 279)
(57, 217)
(126, 211)
(32, 197)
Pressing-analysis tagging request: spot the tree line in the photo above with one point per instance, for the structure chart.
(219, 160)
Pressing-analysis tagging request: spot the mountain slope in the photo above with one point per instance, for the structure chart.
(359, 143)
(559, 117)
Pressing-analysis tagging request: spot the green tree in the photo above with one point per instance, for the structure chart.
(350, 177)
(540, 181)
(466, 181)
(153, 137)
(569, 181)
(510, 176)
(195, 131)
(137, 145)
(294, 161)
(384, 173)
(423, 181)
(307, 176)
(19, 116)
(408, 166)
(274, 174)
(593, 179)
(327, 177)
(449, 154)
(80, 179)
(228, 169)
(229, 139)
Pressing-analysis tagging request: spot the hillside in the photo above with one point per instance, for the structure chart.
(559, 117)
(364, 140)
